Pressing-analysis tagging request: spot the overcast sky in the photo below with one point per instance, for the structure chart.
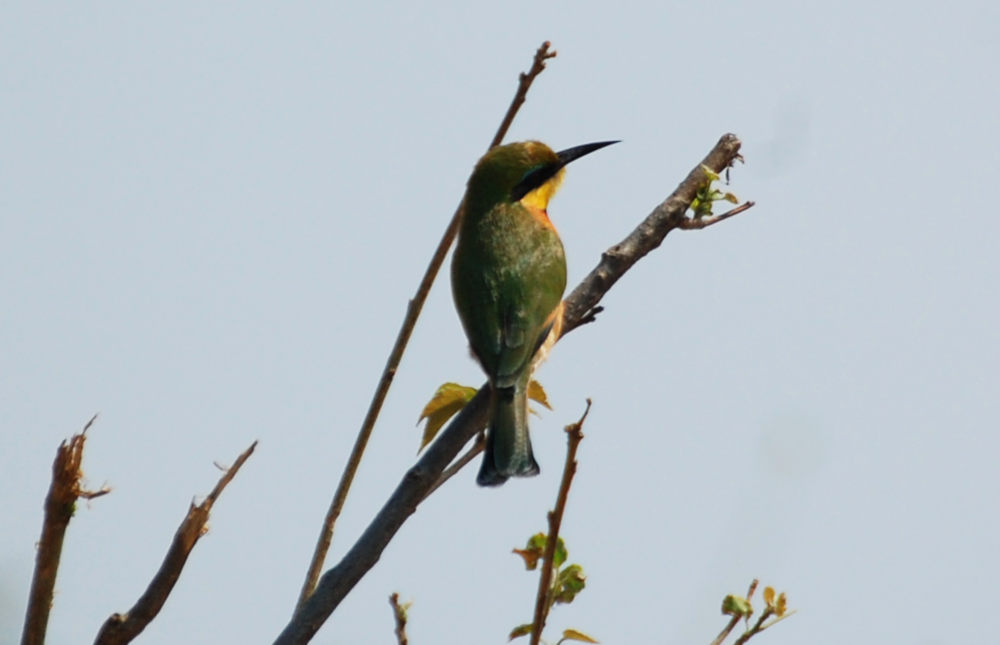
(212, 216)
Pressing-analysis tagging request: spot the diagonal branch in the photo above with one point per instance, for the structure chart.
(670, 214)
(475, 449)
(337, 582)
(123, 628)
(60, 503)
(396, 355)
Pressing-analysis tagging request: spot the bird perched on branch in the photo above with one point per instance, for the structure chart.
(508, 275)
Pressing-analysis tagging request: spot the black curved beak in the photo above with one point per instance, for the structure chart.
(574, 153)
(541, 175)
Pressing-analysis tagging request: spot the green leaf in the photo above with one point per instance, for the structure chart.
(736, 606)
(561, 553)
(533, 551)
(446, 402)
(707, 195)
(569, 583)
(520, 630)
(574, 635)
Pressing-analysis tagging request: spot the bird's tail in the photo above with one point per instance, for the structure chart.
(508, 445)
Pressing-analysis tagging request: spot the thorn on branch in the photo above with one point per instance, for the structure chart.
(590, 316)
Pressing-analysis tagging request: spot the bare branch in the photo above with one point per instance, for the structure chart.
(396, 355)
(733, 622)
(60, 504)
(399, 613)
(670, 214)
(337, 582)
(542, 54)
(123, 628)
(543, 600)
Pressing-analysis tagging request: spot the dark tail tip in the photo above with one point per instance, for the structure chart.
(488, 474)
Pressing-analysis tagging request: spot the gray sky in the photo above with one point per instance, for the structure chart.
(211, 219)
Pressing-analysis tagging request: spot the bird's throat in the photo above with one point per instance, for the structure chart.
(537, 201)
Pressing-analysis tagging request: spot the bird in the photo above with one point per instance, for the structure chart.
(508, 275)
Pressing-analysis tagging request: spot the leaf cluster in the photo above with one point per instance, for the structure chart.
(568, 580)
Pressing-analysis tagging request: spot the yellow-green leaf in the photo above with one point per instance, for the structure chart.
(446, 402)
(736, 606)
(769, 595)
(569, 583)
(560, 554)
(532, 551)
(531, 558)
(781, 605)
(574, 635)
(537, 393)
(520, 630)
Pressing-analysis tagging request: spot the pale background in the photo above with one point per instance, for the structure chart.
(212, 216)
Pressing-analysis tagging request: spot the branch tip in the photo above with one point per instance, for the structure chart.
(122, 628)
(698, 223)
(399, 614)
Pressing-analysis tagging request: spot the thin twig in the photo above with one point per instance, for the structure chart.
(753, 631)
(760, 625)
(696, 223)
(461, 462)
(525, 80)
(735, 620)
(396, 355)
(399, 613)
(543, 600)
(337, 582)
(60, 504)
(123, 628)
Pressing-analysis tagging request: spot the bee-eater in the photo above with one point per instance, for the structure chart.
(508, 275)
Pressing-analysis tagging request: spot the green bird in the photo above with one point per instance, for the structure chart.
(508, 275)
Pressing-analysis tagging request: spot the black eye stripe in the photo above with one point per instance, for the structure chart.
(534, 179)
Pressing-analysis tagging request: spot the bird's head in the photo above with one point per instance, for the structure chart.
(528, 172)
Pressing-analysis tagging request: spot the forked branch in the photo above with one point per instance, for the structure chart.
(337, 582)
